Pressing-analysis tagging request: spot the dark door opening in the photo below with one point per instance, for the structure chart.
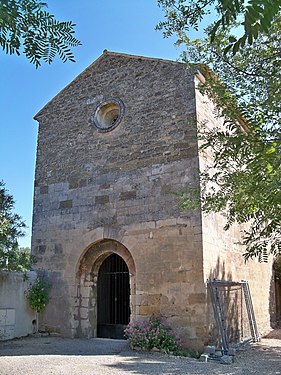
(113, 298)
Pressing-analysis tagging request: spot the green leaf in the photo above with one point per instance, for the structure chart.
(28, 28)
(250, 38)
(214, 30)
(236, 47)
(271, 150)
(227, 49)
(232, 39)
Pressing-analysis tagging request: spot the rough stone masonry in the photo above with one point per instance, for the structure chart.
(114, 147)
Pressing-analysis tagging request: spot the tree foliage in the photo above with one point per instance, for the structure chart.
(244, 181)
(26, 27)
(12, 258)
(252, 17)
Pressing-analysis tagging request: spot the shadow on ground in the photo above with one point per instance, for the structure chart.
(59, 356)
(255, 359)
(61, 346)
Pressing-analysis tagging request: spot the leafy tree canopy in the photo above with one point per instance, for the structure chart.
(244, 181)
(11, 227)
(26, 27)
(253, 17)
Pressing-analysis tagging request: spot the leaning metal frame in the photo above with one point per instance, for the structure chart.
(219, 314)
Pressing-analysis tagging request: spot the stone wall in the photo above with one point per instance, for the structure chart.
(116, 191)
(159, 107)
(98, 193)
(222, 252)
(15, 314)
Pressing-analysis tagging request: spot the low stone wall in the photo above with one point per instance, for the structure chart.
(15, 315)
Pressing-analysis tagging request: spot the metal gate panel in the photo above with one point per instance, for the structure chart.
(113, 302)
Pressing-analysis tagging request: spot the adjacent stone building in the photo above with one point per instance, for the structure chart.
(114, 147)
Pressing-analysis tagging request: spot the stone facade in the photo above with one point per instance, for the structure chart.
(103, 192)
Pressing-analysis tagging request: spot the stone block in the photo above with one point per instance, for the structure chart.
(197, 298)
(66, 204)
(84, 292)
(105, 186)
(44, 189)
(89, 284)
(141, 299)
(58, 248)
(82, 182)
(41, 249)
(128, 195)
(201, 331)
(84, 312)
(149, 310)
(226, 359)
(102, 199)
(154, 299)
(73, 184)
(166, 189)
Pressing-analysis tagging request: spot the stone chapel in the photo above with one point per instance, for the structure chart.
(114, 146)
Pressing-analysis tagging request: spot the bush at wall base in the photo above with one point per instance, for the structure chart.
(152, 335)
(38, 296)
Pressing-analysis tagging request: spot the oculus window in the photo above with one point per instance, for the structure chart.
(108, 114)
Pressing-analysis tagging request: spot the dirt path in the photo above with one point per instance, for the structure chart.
(58, 356)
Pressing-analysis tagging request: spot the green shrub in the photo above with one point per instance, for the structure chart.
(38, 295)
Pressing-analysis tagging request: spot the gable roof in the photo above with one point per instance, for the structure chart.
(105, 54)
(202, 72)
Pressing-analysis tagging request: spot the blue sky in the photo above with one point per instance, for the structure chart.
(122, 26)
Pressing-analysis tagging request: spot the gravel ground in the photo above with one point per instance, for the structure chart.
(59, 356)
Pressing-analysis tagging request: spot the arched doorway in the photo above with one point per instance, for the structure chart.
(113, 297)
(106, 274)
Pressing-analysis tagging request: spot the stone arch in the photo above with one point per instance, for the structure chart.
(85, 315)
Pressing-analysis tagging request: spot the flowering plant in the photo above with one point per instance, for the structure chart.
(153, 334)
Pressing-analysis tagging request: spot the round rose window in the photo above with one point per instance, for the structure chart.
(108, 114)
